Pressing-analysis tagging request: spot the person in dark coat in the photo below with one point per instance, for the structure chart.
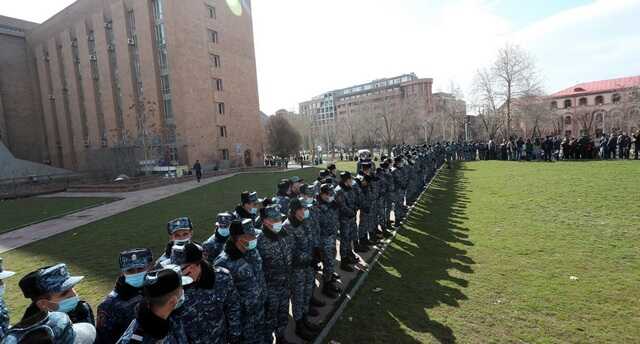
(198, 169)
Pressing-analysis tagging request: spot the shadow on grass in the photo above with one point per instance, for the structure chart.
(416, 275)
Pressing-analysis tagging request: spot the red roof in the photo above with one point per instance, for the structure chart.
(599, 86)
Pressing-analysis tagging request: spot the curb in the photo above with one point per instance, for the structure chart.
(360, 280)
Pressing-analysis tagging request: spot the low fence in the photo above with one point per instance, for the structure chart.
(36, 185)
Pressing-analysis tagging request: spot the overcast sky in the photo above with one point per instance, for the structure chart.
(306, 47)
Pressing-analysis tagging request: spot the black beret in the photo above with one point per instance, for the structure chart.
(240, 227)
(345, 175)
(161, 282)
(29, 285)
(186, 254)
(295, 204)
(326, 188)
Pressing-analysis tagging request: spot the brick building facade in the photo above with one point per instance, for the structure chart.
(160, 79)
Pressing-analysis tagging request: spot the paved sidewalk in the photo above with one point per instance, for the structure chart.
(129, 200)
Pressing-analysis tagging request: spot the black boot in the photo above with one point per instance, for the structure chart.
(313, 311)
(282, 340)
(303, 331)
(317, 302)
(311, 326)
(360, 247)
(346, 266)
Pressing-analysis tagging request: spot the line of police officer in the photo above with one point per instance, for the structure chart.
(237, 286)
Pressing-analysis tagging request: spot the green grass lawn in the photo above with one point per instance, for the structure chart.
(488, 254)
(20, 212)
(92, 250)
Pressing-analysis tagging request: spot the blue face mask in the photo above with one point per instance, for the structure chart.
(223, 231)
(251, 245)
(135, 280)
(67, 305)
(254, 211)
(306, 213)
(180, 301)
(277, 227)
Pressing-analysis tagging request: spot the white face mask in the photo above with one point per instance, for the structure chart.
(1, 291)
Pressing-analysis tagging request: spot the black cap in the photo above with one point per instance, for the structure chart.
(179, 224)
(296, 179)
(323, 174)
(283, 186)
(162, 282)
(186, 254)
(295, 204)
(136, 258)
(345, 175)
(249, 197)
(240, 227)
(29, 285)
(331, 167)
(398, 159)
(326, 188)
(366, 165)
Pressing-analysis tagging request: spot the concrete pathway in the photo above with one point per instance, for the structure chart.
(129, 200)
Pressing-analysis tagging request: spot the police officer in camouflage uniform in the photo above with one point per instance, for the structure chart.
(244, 263)
(346, 199)
(282, 195)
(313, 229)
(156, 317)
(248, 207)
(398, 195)
(275, 247)
(4, 313)
(214, 245)
(367, 213)
(211, 311)
(329, 221)
(303, 272)
(52, 289)
(180, 231)
(118, 309)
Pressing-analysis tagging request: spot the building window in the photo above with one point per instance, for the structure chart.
(165, 86)
(616, 98)
(221, 108)
(567, 120)
(219, 86)
(599, 117)
(213, 36)
(211, 11)
(224, 154)
(554, 104)
(567, 103)
(599, 100)
(582, 101)
(215, 60)
(223, 131)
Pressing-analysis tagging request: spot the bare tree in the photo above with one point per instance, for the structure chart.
(512, 75)
(283, 139)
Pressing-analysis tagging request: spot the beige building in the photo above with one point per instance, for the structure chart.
(158, 79)
(388, 94)
(599, 106)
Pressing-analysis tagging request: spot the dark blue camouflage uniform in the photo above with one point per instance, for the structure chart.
(59, 323)
(277, 258)
(117, 311)
(211, 311)
(4, 319)
(346, 199)
(248, 277)
(135, 333)
(329, 223)
(303, 272)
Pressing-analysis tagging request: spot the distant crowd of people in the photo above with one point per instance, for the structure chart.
(605, 147)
